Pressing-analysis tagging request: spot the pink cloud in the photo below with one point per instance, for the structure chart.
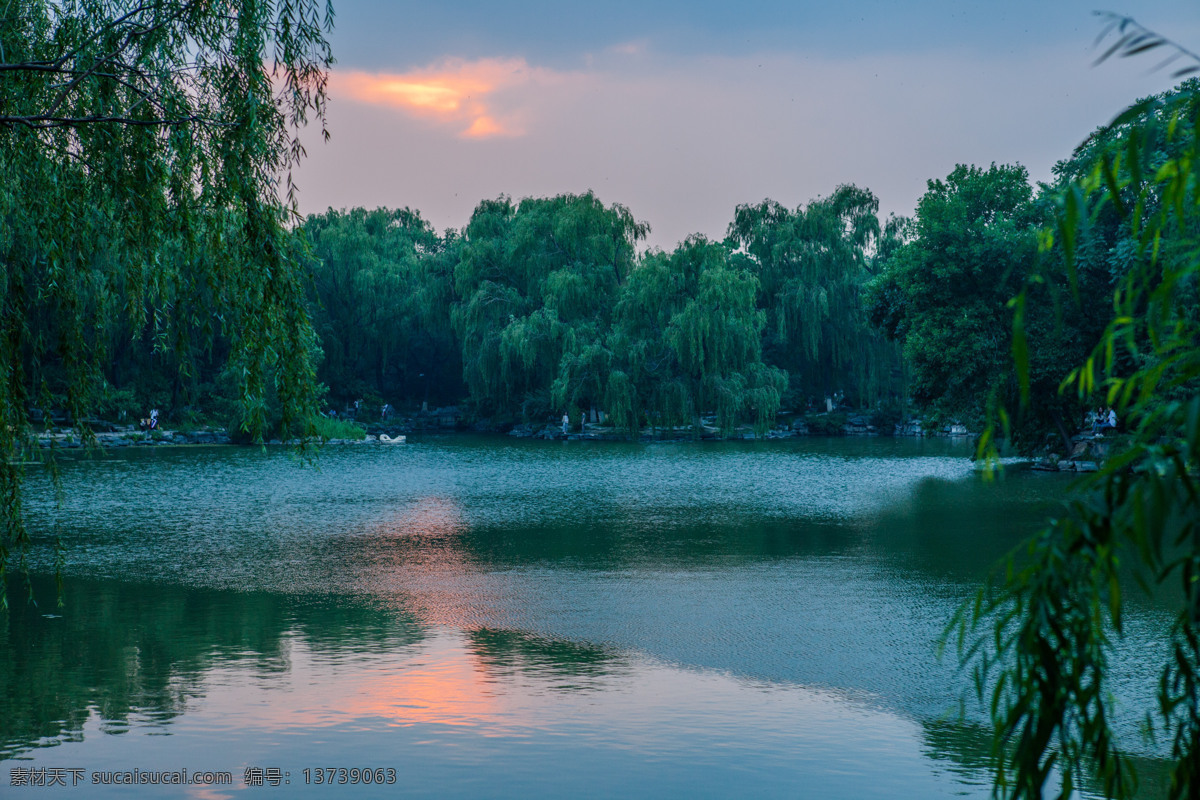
(479, 99)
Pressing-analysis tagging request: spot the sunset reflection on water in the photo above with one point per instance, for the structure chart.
(416, 561)
(435, 682)
(454, 691)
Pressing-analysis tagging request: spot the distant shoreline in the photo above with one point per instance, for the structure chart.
(70, 439)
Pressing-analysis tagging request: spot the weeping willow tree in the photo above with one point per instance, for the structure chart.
(1040, 635)
(141, 145)
(536, 285)
(686, 340)
(811, 265)
(382, 293)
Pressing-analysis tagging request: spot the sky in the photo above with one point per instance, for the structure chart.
(680, 111)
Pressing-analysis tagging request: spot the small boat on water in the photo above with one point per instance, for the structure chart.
(385, 439)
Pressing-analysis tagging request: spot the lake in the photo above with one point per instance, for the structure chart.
(468, 616)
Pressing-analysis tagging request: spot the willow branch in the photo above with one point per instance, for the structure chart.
(44, 122)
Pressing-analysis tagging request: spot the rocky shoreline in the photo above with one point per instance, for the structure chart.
(854, 425)
(69, 439)
(1088, 452)
(108, 435)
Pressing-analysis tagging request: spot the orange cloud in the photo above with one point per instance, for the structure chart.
(479, 98)
(484, 127)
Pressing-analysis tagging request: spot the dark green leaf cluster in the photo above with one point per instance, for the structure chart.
(942, 289)
(536, 286)
(812, 265)
(382, 288)
(687, 340)
(950, 280)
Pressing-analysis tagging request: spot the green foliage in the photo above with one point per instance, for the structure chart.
(381, 296)
(886, 416)
(118, 403)
(830, 424)
(943, 287)
(140, 149)
(326, 429)
(536, 286)
(686, 341)
(1039, 635)
(548, 308)
(811, 265)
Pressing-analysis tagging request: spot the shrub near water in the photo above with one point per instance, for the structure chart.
(826, 424)
(327, 429)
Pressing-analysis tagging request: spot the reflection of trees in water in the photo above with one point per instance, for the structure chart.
(658, 542)
(957, 530)
(563, 665)
(936, 528)
(136, 654)
(965, 750)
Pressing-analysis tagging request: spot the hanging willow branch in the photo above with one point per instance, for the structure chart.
(141, 148)
(1038, 637)
(1133, 39)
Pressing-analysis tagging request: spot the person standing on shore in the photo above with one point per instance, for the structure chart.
(566, 423)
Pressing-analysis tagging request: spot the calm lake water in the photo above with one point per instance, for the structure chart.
(484, 617)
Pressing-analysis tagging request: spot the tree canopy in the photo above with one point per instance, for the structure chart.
(943, 293)
(536, 284)
(812, 265)
(548, 307)
(381, 298)
(687, 340)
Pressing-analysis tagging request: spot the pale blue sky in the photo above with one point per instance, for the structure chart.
(681, 110)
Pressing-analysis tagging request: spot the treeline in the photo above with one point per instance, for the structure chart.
(539, 308)
(551, 305)
(546, 307)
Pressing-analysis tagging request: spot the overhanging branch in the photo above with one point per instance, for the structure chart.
(40, 122)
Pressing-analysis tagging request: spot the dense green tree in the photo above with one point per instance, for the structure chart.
(811, 266)
(383, 290)
(686, 341)
(943, 293)
(536, 285)
(140, 151)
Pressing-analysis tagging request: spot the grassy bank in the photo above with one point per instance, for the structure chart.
(327, 429)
